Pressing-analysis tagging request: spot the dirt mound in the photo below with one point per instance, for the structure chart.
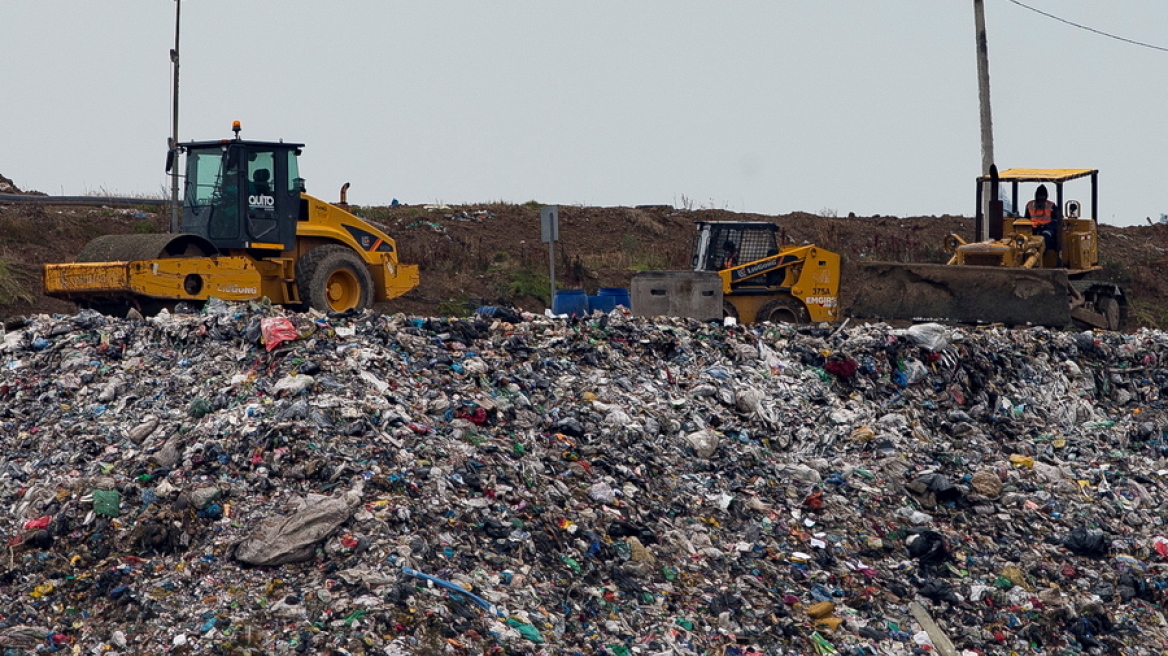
(32, 235)
(491, 254)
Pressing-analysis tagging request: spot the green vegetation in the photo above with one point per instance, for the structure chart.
(1118, 271)
(1143, 313)
(888, 248)
(458, 306)
(645, 266)
(527, 282)
(159, 213)
(15, 284)
(640, 249)
(375, 214)
(386, 215)
(42, 228)
(24, 232)
(641, 256)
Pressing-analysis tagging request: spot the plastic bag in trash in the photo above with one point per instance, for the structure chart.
(107, 502)
(1084, 542)
(929, 336)
(928, 547)
(276, 331)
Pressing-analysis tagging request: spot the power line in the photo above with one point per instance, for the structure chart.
(1091, 29)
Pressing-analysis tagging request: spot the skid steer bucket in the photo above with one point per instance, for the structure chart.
(962, 294)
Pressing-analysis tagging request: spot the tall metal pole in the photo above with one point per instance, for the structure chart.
(552, 267)
(174, 203)
(987, 124)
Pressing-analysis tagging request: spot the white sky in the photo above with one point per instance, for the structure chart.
(767, 106)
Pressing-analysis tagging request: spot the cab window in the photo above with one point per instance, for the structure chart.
(203, 177)
(295, 182)
(261, 173)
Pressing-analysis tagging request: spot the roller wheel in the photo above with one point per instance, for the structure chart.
(784, 310)
(128, 248)
(109, 308)
(333, 278)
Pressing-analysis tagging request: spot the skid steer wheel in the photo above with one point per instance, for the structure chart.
(785, 310)
(333, 278)
(728, 310)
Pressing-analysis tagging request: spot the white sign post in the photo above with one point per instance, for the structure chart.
(549, 223)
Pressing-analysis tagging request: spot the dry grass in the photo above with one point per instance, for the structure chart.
(17, 284)
(42, 227)
(644, 223)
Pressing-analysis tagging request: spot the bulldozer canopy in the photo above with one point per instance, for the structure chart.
(1041, 175)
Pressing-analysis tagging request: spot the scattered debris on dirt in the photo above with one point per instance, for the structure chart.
(491, 253)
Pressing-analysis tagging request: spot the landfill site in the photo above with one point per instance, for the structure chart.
(242, 481)
(459, 472)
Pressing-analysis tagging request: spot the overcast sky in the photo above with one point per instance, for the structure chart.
(766, 106)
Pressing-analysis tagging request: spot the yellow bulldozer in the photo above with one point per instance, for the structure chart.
(248, 231)
(1015, 277)
(762, 281)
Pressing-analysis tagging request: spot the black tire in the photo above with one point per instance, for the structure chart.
(333, 278)
(785, 309)
(728, 310)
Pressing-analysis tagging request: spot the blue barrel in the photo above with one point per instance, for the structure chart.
(600, 303)
(572, 302)
(619, 296)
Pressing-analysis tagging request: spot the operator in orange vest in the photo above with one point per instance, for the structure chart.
(1044, 217)
(730, 255)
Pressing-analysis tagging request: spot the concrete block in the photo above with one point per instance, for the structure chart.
(693, 294)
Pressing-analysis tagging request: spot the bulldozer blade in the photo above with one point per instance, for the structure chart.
(962, 294)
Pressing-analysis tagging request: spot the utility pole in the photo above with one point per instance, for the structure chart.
(987, 124)
(173, 159)
(549, 232)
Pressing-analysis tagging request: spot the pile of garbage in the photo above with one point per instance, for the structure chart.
(7, 186)
(249, 481)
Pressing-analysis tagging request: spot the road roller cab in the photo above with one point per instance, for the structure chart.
(243, 194)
